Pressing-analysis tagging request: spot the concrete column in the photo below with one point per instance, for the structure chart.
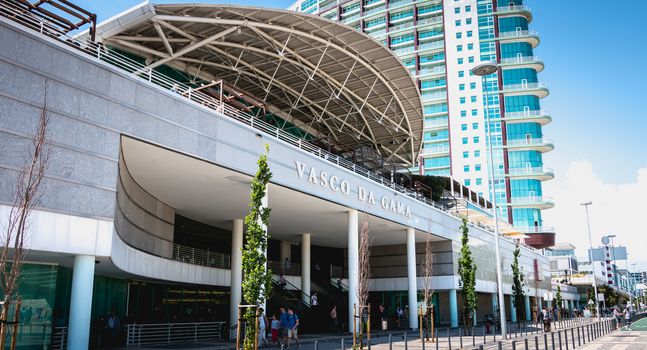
(305, 266)
(412, 278)
(353, 264)
(453, 308)
(526, 304)
(513, 310)
(286, 252)
(494, 305)
(577, 303)
(81, 302)
(236, 270)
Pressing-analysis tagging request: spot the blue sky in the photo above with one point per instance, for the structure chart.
(593, 53)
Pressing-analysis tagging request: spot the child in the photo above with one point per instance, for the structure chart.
(275, 329)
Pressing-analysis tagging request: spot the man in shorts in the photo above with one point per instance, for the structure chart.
(283, 323)
(293, 327)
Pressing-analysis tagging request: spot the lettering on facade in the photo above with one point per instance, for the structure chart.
(334, 183)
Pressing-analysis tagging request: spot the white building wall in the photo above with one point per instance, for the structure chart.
(454, 95)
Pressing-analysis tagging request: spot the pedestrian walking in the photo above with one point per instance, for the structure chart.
(262, 328)
(283, 322)
(275, 326)
(293, 327)
(333, 318)
(314, 302)
(627, 316)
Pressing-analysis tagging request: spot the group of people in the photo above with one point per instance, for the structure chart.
(283, 328)
(620, 316)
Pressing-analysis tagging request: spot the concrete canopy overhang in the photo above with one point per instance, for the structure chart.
(322, 76)
(215, 195)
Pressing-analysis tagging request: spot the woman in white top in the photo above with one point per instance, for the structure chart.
(262, 328)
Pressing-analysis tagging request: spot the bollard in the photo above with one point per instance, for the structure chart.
(449, 338)
(390, 341)
(552, 339)
(481, 347)
(545, 341)
(473, 336)
(406, 346)
(499, 346)
(514, 345)
(494, 333)
(525, 342)
(342, 344)
(484, 336)
(316, 345)
(536, 343)
(423, 344)
(460, 337)
(437, 341)
(573, 337)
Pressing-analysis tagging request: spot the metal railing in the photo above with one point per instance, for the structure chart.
(524, 86)
(527, 114)
(438, 122)
(138, 70)
(531, 200)
(433, 45)
(59, 338)
(529, 171)
(435, 70)
(167, 333)
(536, 229)
(435, 150)
(512, 8)
(517, 34)
(293, 269)
(529, 142)
(522, 59)
(202, 257)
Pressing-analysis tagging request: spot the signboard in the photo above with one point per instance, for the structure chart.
(617, 253)
(601, 297)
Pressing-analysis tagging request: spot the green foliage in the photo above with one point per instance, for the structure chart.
(467, 273)
(558, 297)
(257, 279)
(611, 297)
(517, 284)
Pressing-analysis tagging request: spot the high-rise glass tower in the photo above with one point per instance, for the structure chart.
(440, 41)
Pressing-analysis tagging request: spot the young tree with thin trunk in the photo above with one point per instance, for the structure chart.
(257, 282)
(467, 276)
(29, 191)
(518, 294)
(364, 274)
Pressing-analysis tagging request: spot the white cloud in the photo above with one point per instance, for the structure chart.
(617, 209)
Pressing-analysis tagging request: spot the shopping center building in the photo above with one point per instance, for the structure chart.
(155, 129)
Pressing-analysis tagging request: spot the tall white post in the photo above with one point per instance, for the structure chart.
(353, 263)
(81, 302)
(305, 266)
(412, 278)
(236, 270)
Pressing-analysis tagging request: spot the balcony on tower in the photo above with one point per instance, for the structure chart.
(513, 10)
(530, 143)
(537, 202)
(529, 116)
(537, 173)
(538, 89)
(519, 35)
(522, 62)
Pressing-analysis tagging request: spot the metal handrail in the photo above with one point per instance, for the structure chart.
(159, 80)
(535, 141)
(167, 333)
(292, 289)
(522, 59)
(517, 33)
(197, 256)
(529, 171)
(294, 269)
(59, 338)
(524, 86)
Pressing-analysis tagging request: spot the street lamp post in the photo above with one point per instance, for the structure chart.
(595, 287)
(483, 70)
(631, 284)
